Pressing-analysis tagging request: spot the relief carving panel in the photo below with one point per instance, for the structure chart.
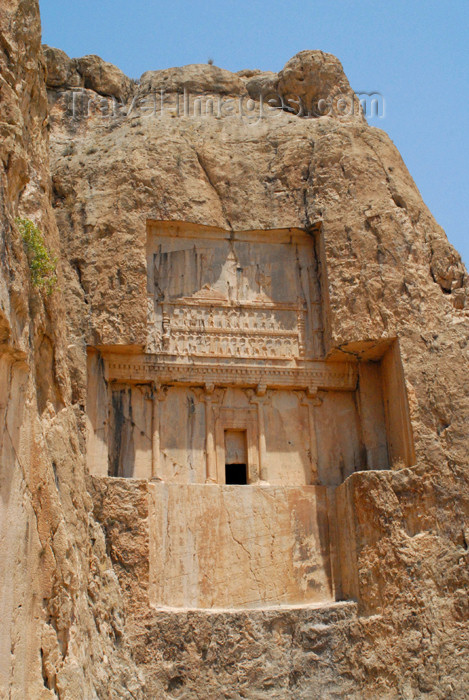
(244, 295)
(200, 328)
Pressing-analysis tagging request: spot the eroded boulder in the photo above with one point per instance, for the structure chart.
(262, 84)
(316, 82)
(90, 72)
(104, 78)
(61, 70)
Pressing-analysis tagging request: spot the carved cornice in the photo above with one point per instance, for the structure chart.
(314, 375)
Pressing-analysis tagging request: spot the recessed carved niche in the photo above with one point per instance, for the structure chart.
(233, 385)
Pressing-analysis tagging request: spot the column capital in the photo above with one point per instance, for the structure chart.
(313, 396)
(156, 385)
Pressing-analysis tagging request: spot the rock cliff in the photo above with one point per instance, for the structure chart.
(62, 619)
(91, 165)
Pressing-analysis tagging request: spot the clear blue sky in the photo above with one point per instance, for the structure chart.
(414, 52)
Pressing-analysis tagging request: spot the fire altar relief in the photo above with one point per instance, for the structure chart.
(237, 418)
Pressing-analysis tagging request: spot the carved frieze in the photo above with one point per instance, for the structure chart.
(245, 330)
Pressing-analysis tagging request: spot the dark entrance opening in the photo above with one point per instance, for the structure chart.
(236, 457)
(236, 474)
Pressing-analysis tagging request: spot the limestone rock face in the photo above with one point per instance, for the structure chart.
(391, 273)
(76, 570)
(61, 607)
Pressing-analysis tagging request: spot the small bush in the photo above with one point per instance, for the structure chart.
(42, 264)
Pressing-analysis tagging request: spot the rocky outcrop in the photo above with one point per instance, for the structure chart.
(104, 78)
(312, 83)
(316, 79)
(197, 78)
(261, 84)
(88, 72)
(61, 609)
(391, 273)
(61, 71)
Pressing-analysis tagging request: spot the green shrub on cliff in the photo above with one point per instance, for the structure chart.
(42, 264)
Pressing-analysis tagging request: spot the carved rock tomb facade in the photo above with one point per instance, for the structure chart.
(240, 420)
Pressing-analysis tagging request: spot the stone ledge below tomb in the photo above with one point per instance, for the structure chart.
(274, 608)
(293, 652)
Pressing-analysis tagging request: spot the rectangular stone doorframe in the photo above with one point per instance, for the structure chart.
(237, 419)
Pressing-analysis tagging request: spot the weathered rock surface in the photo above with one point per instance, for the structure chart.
(250, 654)
(197, 78)
(314, 77)
(61, 612)
(391, 273)
(103, 77)
(262, 84)
(407, 637)
(89, 72)
(61, 71)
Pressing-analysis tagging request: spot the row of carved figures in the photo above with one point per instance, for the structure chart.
(231, 346)
(201, 318)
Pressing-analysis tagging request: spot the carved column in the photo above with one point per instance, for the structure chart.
(211, 475)
(157, 396)
(311, 400)
(259, 400)
(301, 332)
(165, 322)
